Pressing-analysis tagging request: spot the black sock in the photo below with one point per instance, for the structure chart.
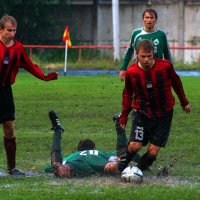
(146, 161)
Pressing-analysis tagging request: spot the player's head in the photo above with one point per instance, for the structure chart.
(62, 170)
(8, 19)
(111, 168)
(86, 144)
(145, 45)
(144, 51)
(8, 26)
(149, 19)
(151, 12)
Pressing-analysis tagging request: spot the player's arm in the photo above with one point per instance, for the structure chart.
(166, 50)
(126, 59)
(126, 100)
(178, 88)
(26, 63)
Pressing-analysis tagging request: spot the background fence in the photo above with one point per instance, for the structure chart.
(53, 53)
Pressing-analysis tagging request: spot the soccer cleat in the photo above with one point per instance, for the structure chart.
(122, 163)
(116, 117)
(55, 121)
(16, 173)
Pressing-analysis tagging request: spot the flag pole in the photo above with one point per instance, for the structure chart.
(66, 49)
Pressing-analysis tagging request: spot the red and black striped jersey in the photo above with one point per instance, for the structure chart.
(11, 59)
(150, 92)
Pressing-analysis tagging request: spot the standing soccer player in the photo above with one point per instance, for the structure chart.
(149, 31)
(150, 80)
(12, 57)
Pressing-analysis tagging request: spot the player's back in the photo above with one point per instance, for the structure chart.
(88, 162)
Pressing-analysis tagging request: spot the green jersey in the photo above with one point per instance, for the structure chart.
(159, 39)
(88, 162)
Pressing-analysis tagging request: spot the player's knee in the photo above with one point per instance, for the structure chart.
(153, 151)
(134, 146)
(8, 129)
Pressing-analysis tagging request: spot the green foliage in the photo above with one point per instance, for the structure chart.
(85, 105)
(48, 56)
(74, 55)
(35, 24)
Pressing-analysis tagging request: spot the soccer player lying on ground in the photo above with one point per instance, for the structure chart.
(150, 80)
(87, 160)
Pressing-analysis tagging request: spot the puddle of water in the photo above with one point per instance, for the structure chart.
(188, 73)
(92, 72)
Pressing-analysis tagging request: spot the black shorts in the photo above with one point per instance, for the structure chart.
(154, 131)
(7, 107)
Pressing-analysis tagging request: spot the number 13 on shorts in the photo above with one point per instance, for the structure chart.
(139, 133)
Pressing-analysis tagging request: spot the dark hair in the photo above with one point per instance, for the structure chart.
(151, 11)
(145, 44)
(86, 144)
(7, 18)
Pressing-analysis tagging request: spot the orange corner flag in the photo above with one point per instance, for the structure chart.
(67, 37)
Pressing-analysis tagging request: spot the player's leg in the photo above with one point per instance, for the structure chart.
(9, 144)
(135, 142)
(10, 148)
(7, 116)
(121, 136)
(122, 140)
(149, 157)
(158, 138)
(56, 152)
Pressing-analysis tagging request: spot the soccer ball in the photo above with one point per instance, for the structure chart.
(132, 174)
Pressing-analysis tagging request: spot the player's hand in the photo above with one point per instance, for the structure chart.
(122, 75)
(51, 76)
(123, 121)
(123, 126)
(186, 108)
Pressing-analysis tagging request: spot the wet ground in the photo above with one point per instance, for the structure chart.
(92, 72)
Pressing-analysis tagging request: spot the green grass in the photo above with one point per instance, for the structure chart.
(85, 105)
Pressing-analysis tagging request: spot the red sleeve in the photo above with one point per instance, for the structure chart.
(26, 63)
(127, 98)
(178, 87)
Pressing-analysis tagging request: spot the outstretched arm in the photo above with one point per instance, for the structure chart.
(26, 63)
